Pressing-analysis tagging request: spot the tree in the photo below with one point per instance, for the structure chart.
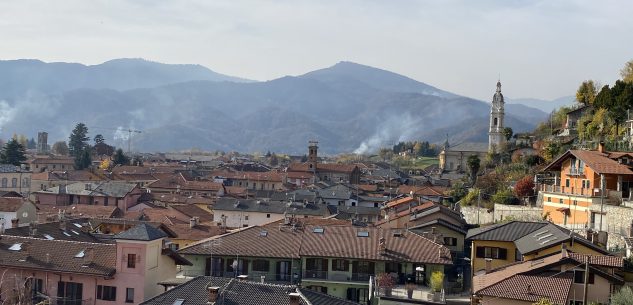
(60, 148)
(507, 132)
(524, 187)
(587, 92)
(120, 158)
(473, 164)
(622, 297)
(105, 164)
(13, 153)
(627, 72)
(78, 140)
(503, 197)
(31, 144)
(84, 160)
(385, 153)
(99, 139)
(418, 149)
(274, 161)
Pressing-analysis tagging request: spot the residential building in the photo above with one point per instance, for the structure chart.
(15, 179)
(77, 273)
(179, 184)
(16, 211)
(42, 181)
(455, 158)
(335, 259)
(51, 163)
(120, 194)
(236, 213)
(336, 172)
(562, 278)
(502, 244)
(582, 181)
(268, 181)
(205, 290)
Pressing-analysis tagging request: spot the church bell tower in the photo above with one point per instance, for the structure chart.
(495, 132)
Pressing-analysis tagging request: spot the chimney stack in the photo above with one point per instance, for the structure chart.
(14, 222)
(192, 223)
(62, 224)
(295, 298)
(382, 244)
(242, 278)
(89, 256)
(2, 228)
(563, 251)
(488, 265)
(213, 294)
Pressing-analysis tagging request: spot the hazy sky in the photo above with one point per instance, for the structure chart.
(542, 49)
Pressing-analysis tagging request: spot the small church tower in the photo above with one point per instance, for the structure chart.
(495, 133)
(313, 146)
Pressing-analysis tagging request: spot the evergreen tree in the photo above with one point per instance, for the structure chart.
(78, 140)
(13, 153)
(99, 139)
(120, 158)
(31, 144)
(84, 160)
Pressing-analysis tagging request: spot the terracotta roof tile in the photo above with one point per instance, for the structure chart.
(532, 288)
(193, 210)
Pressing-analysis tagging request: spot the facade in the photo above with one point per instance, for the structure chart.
(582, 181)
(16, 211)
(44, 163)
(180, 185)
(454, 159)
(120, 194)
(78, 273)
(495, 132)
(15, 179)
(237, 213)
(335, 259)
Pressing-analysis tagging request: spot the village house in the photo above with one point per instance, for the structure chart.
(77, 273)
(562, 278)
(120, 194)
(16, 211)
(205, 290)
(581, 181)
(335, 259)
(179, 184)
(47, 179)
(237, 213)
(268, 181)
(50, 163)
(15, 179)
(502, 244)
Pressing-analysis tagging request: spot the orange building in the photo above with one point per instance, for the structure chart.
(583, 180)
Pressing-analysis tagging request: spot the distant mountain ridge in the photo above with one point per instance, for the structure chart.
(347, 107)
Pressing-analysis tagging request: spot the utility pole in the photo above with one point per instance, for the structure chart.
(586, 285)
(478, 205)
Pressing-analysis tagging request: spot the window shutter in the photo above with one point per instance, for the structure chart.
(481, 252)
(503, 253)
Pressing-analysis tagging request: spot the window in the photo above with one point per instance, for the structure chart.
(495, 122)
(131, 260)
(579, 277)
(129, 295)
(14, 182)
(450, 241)
(35, 285)
(492, 252)
(5, 182)
(267, 215)
(549, 199)
(560, 200)
(261, 265)
(340, 265)
(566, 182)
(106, 293)
(245, 217)
(69, 293)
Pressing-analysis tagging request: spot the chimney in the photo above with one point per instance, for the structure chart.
(382, 244)
(62, 224)
(2, 228)
(295, 298)
(488, 265)
(242, 278)
(89, 256)
(14, 222)
(563, 251)
(213, 294)
(48, 258)
(192, 223)
(601, 147)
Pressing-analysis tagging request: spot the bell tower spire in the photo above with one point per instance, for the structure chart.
(495, 132)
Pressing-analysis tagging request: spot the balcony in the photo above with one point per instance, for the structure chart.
(341, 276)
(252, 276)
(612, 197)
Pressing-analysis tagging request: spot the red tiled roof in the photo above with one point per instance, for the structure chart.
(400, 201)
(599, 260)
(80, 210)
(252, 176)
(178, 180)
(323, 167)
(8, 204)
(51, 160)
(422, 190)
(597, 161)
(532, 288)
(193, 210)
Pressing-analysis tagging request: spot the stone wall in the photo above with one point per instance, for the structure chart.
(616, 222)
(517, 212)
(475, 215)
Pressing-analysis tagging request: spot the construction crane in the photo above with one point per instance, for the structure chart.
(123, 129)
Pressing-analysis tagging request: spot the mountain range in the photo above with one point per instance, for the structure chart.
(347, 107)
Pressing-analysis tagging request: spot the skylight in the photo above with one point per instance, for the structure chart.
(263, 233)
(318, 230)
(16, 247)
(77, 225)
(48, 237)
(362, 234)
(540, 233)
(545, 236)
(81, 254)
(66, 233)
(178, 302)
(74, 232)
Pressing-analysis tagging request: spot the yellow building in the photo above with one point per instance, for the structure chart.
(502, 244)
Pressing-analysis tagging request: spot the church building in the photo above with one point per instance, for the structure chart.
(454, 158)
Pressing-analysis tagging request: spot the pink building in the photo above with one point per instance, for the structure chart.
(82, 273)
(107, 193)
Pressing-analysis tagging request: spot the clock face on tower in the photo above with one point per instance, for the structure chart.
(25, 214)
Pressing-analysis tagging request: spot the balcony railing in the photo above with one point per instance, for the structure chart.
(335, 276)
(252, 275)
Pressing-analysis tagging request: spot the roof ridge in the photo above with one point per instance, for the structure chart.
(55, 240)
